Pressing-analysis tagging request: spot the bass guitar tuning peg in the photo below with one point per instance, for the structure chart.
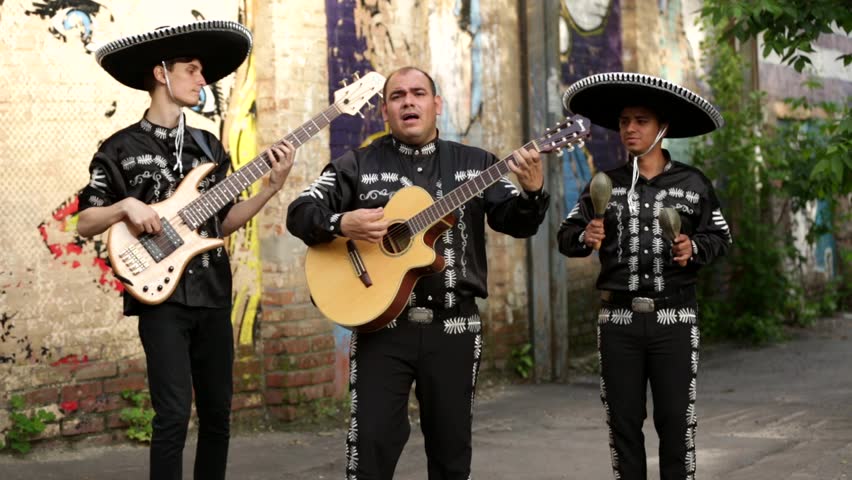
(342, 82)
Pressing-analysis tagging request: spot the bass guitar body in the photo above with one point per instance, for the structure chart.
(146, 276)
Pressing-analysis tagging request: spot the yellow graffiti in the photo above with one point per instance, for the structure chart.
(239, 135)
(376, 135)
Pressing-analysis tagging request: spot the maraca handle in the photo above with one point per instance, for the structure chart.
(597, 246)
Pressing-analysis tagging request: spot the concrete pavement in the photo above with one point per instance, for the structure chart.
(777, 412)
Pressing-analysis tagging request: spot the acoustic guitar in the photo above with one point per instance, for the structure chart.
(363, 286)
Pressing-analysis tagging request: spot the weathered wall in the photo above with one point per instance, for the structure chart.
(64, 344)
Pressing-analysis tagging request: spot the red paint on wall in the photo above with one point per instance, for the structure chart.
(72, 359)
(69, 208)
(69, 407)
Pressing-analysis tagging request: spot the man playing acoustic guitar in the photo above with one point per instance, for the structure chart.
(436, 341)
(188, 339)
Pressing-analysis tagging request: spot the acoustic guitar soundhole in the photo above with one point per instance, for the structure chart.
(397, 239)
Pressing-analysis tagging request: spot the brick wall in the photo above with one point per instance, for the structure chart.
(295, 344)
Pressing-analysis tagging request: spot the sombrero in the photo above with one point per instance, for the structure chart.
(220, 45)
(602, 97)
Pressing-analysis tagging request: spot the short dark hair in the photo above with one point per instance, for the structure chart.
(403, 70)
(149, 82)
(659, 112)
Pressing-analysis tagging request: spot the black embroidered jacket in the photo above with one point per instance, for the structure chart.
(634, 256)
(139, 161)
(369, 177)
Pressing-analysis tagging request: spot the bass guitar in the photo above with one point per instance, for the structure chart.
(150, 265)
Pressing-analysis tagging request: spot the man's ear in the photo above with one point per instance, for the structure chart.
(439, 104)
(159, 73)
(384, 110)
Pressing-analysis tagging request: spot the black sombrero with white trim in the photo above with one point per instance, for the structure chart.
(602, 97)
(220, 45)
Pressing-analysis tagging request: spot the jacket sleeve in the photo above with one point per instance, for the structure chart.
(314, 216)
(106, 185)
(712, 237)
(573, 227)
(513, 212)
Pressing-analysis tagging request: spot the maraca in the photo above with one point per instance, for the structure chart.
(600, 190)
(670, 225)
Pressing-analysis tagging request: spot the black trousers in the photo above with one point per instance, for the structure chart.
(186, 349)
(660, 347)
(442, 359)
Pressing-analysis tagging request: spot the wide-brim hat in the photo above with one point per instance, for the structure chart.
(220, 45)
(602, 97)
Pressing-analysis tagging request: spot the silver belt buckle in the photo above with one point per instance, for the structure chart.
(420, 315)
(642, 305)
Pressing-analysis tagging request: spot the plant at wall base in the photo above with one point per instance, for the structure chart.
(138, 417)
(522, 360)
(24, 427)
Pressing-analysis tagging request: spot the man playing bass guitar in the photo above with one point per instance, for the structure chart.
(188, 339)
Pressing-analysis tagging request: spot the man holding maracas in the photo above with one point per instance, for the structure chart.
(650, 257)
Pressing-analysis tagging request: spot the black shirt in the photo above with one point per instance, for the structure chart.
(369, 177)
(139, 161)
(634, 256)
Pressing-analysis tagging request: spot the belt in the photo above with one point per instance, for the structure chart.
(425, 315)
(420, 315)
(646, 304)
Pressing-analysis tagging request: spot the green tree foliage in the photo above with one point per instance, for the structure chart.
(789, 27)
(752, 308)
(765, 173)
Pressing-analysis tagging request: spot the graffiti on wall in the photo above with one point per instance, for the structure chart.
(455, 39)
(357, 35)
(74, 257)
(16, 346)
(589, 43)
(69, 18)
(239, 136)
(69, 249)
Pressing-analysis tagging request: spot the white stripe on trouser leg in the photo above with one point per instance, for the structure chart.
(691, 416)
(352, 435)
(477, 352)
(613, 454)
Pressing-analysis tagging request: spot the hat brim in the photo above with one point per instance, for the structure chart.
(602, 98)
(220, 45)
